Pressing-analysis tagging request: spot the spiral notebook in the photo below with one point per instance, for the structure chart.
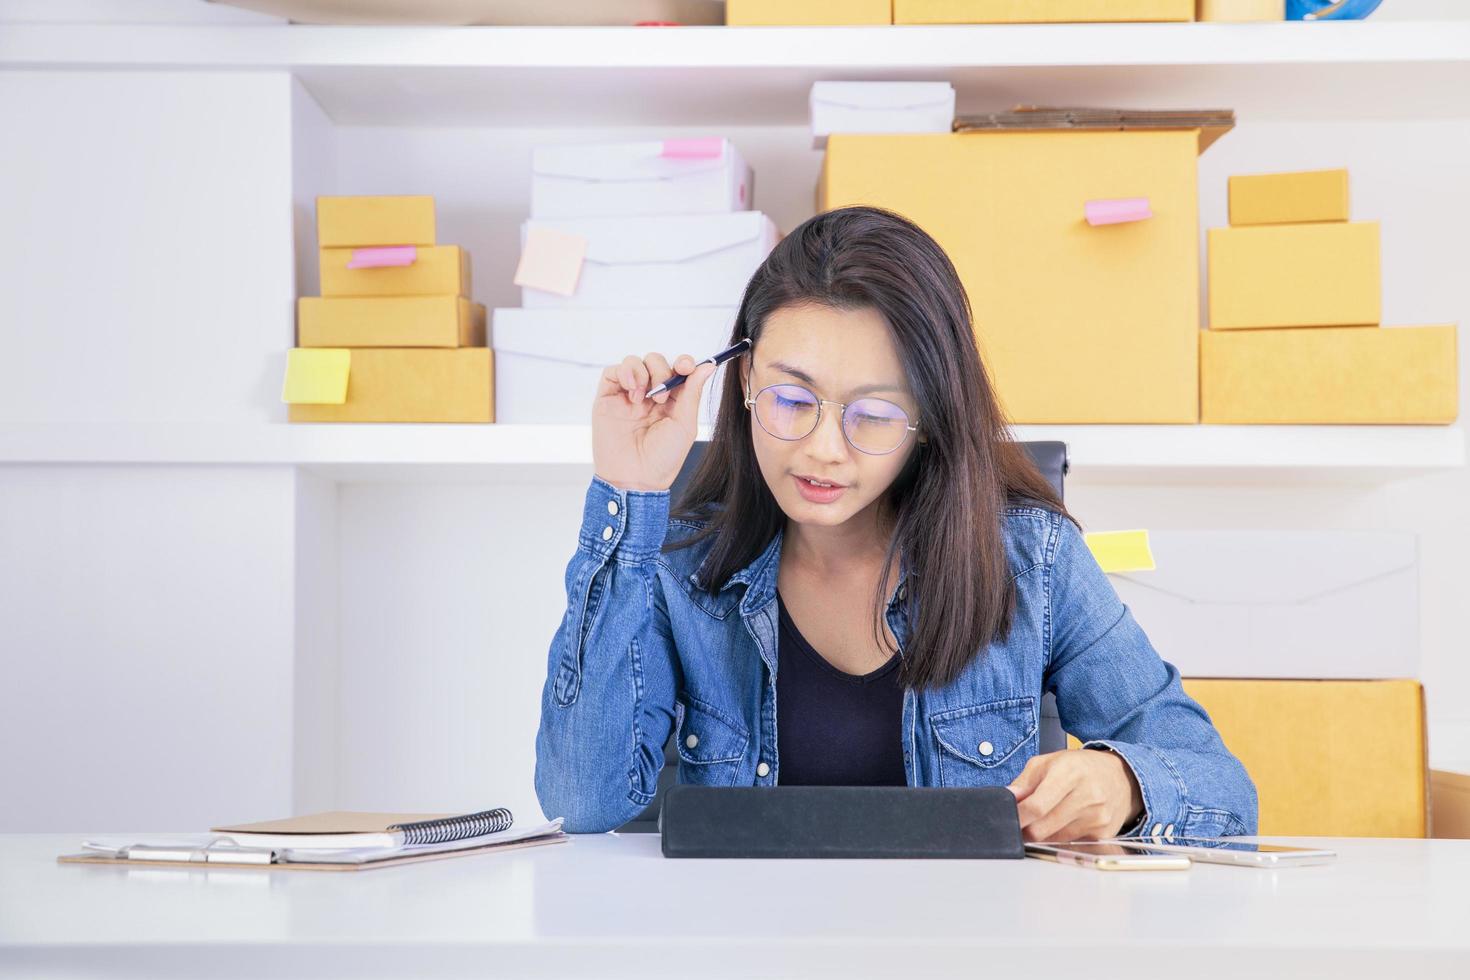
(335, 841)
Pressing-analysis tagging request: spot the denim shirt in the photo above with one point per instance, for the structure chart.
(642, 649)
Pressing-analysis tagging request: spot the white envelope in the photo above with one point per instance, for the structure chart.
(1309, 604)
(880, 107)
(672, 260)
(613, 179)
(547, 362)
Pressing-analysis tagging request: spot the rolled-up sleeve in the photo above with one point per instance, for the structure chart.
(607, 705)
(1114, 692)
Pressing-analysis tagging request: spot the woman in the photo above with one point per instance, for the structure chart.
(867, 582)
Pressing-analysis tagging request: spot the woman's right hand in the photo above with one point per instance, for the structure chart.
(640, 443)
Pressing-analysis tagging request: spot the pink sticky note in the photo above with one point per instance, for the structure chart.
(706, 148)
(1116, 211)
(383, 256)
(551, 260)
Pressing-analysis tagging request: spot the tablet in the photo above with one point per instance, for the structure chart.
(1107, 856)
(1223, 850)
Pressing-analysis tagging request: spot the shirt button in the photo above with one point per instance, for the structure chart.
(1169, 832)
(763, 770)
(607, 533)
(692, 741)
(1157, 831)
(612, 507)
(986, 748)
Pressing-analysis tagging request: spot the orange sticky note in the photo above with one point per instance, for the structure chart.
(551, 260)
(316, 375)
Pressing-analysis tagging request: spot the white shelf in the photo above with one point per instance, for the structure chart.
(527, 453)
(724, 76)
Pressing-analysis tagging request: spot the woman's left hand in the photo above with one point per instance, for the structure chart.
(1077, 794)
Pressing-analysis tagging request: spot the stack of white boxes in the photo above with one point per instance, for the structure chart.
(630, 248)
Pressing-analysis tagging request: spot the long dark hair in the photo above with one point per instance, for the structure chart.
(948, 502)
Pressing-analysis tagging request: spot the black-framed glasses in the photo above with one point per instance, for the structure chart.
(790, 412)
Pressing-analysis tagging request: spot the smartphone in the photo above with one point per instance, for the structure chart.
(1107, 856)
(1221, 850)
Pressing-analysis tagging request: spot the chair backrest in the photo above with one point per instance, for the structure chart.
(1050, 458)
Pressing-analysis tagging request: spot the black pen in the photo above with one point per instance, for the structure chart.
(739, 348)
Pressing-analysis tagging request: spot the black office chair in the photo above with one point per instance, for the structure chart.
(1050, 458)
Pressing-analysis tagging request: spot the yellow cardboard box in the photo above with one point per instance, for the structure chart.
(387, 384)
(355, 222)
(1318, 275)
(1330, 375)
(1075, 323)
(1276, 199)
(1332, 758)
(1241, 10)
(389, 321)
(1038, 11)
(789, 13)
(439, 270)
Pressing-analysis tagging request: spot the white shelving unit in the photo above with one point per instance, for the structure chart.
(393, 587)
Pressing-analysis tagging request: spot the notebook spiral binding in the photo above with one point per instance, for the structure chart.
(455, 828)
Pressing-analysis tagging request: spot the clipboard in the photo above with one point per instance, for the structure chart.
(257, 865)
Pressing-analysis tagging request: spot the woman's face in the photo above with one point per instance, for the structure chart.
(840, 356)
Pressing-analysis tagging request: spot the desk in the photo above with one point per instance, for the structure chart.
(610, 905)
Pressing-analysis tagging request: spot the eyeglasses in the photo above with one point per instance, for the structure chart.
(871, 425)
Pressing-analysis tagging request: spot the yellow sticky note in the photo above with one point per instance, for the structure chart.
(1121, 551)
(551, 260)
(316, 375)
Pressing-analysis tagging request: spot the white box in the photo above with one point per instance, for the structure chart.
(673, 260)
(1307, 604)
(603, 180)
(547, 362)
(880, 107)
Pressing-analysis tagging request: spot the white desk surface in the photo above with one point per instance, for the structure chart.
(611, 905)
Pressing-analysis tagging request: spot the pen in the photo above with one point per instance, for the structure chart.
(739, 348)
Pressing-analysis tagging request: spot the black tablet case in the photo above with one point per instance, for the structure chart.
(839, 822)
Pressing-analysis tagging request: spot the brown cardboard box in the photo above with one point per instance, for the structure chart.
(353, 222)
(1330, 758)
(1038, 11)
(1075, 323)
(1293, 198)
(389, 321)
(1330, 375)
(768, 13)
(440, 270)
(1449, 810)
(1238, 11)
(1312, 275)
(412, 385)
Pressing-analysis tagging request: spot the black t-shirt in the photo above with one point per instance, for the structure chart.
(835, 728)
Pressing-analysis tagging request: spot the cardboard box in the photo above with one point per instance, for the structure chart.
(1293, 198)
(1038, 11)
(389, 321)
(1240, 10)
(1319, 275)
(1329, 758)
(1449, 806)
(880, 107)
(670, 260)
(1330, 375)
(548, 362)
(677, 176)
(1075, 322)
(767, 13)
(354, 222)
(412, 385)
(1281, 603)
(440, 270)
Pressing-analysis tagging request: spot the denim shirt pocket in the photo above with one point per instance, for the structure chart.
(711, 743)
(983, 744)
